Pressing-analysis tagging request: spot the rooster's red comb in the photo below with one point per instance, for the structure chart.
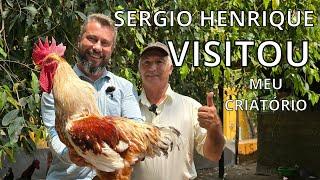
(40, 50)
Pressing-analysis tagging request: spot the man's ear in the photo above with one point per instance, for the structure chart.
(171, 69)
(79, 40)
(114, 45)
(78, 46)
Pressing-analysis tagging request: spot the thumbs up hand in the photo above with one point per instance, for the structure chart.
(210, 99)
(207, 115)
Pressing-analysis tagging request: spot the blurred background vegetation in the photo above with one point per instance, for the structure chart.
(22, 22)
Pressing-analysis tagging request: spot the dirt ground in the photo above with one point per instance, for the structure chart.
(234, 172)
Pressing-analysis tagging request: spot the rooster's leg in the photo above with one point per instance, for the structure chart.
(106, 175)
(125, 173)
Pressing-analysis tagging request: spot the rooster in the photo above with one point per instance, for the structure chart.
(111, 145)
(9, 175)
(27, 174)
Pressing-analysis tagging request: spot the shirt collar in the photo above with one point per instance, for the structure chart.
(106, 74)
(144, 100)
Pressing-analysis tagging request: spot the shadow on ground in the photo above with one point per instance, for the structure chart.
(234, 172)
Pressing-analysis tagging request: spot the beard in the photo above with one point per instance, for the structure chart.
(90, 66)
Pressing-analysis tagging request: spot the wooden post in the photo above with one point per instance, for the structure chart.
(221, 93)
(237, 137)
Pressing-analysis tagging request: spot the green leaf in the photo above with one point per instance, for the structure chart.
(206, 57)
(275, 4)
(310, 79)
(9, 153)
(313, 97)
(29, 145)
(15, 128)
(13, 133)
(23, 101)
(1, 152)
(315, 74)
(29, 21)
(31, 103)
(184, 71)
(81, 15)
(4, 54)
(9, 117)
(49, 12)
(119, 8)
(266, 3)
(227, 74)
(306, 86)
(298, 56)
(127, 73)
(32, 10)
(13, 101)
(139, 37)
(13, 22)
(3, 99)
(19, 121)
(34, 83)
(147, 4)
(6, 88)
(44, 132)
(129, 53)
(37, 98)
(216, 74)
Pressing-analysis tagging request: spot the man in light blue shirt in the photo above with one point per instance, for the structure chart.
(116, 96)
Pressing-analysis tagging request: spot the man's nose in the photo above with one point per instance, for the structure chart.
(97, 46)
(153, 67)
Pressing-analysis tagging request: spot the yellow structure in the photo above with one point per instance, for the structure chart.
(230, 117)
(246, 144)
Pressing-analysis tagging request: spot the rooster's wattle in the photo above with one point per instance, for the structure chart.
(111, 145)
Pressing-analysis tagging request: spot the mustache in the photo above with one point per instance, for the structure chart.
(88, 65)
(95, 53)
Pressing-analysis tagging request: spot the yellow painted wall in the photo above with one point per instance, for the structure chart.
(229, 118)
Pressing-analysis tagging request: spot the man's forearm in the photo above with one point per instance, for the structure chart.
(214, 143)
(57, 146)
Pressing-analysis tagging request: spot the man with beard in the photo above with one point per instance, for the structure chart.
(116, 96)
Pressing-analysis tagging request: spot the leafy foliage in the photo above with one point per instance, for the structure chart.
(24, 21)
